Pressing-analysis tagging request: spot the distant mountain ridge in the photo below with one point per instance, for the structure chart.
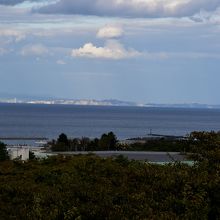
(110, 102)
(106, 102)
(185, 105)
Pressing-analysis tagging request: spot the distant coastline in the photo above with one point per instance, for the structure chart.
(108, 102)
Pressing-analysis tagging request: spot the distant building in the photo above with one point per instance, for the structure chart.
(18, 152)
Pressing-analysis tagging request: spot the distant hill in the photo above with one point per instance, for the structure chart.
(190, 105)
(111, 102)
(106, 102)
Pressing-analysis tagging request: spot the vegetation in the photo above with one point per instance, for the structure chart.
(32, 155)
(62, 143)
(109, 142)
(3, 152)
(159, 144)
(106, 142)
(89, 187)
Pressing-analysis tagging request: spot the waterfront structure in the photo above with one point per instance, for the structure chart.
(18, 152)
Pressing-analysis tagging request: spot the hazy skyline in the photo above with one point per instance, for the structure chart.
(158, 51)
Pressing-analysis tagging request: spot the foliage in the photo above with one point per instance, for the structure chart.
(195, 142)
(32, 155)
(62, 143)
(160, 144)
(62, 139)
(108, 141)
(89, 187)
(205, 146)
(3, 152)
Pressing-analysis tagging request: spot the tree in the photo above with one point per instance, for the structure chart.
(63, 139)
(32, 155)
(205, 147)
(62, 143)
(84, 143)
(3, 152)
(112, 140)
(108, 141)
(103, 142)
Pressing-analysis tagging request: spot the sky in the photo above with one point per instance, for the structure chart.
(145, 51)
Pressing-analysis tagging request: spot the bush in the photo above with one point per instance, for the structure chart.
(3, 152)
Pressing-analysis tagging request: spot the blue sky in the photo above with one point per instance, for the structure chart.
(147, 51)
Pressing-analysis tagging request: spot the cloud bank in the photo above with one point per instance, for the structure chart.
(15, 2)
(17, 35)
(35, 49)
(132, 8)
(112, 50)
(10, 2)
(110, 32)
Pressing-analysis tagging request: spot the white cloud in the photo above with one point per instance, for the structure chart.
(35, 49)
(110, 32)
(207, 17)
(17, 35)
(112, 50)
(132, 8)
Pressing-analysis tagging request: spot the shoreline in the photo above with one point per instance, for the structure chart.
(148, 106)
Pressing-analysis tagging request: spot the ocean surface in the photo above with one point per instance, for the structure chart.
(26, 120)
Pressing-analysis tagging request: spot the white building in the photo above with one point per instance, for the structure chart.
(20, 152)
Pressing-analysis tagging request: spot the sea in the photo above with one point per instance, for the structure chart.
(33, 120)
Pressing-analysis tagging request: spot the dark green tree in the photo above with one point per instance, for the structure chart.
(108, 141)
(103, 142)
(62, 143)
(63, 139)
(205, 148)
(3, 152)
(32, 155)
(112, 141)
